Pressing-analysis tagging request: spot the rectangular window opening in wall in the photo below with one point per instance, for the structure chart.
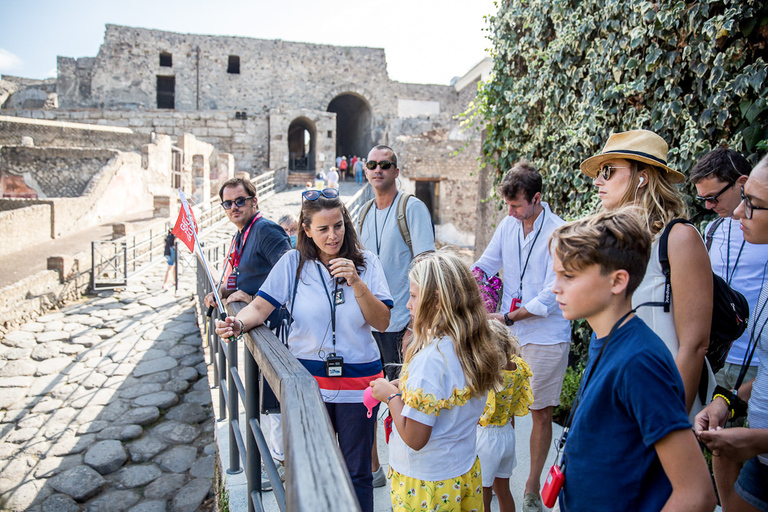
(166, 86)
(330, 134)
(233, 65)
(166, 60)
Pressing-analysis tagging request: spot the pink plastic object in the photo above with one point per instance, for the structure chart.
(369, 401)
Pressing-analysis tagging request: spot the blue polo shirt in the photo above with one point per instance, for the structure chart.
(265, 244)
(634, 398)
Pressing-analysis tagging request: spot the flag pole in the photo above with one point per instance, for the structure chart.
(185, 205)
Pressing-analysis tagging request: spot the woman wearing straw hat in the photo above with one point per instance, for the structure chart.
(632, 170)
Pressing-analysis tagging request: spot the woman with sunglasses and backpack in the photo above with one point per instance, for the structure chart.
(632, 171)
(336, 292)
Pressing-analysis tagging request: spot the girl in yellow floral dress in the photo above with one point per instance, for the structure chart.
(449, 367)
(495, 430)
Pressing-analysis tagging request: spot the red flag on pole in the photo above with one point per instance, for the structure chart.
(186, 228)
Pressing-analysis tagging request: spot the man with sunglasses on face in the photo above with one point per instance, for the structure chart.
(718, 178)
(380, 233)
(256, 247)
(749, 491)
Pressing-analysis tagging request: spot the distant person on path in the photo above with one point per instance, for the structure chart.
(336, 293)
(288, 223)
(256, 248)
(343, 168)
(632, 170)
(528, 306)
(333, 178)
(380, 233)
(359, 170)
(450, 365)
(495, 430)
(628, 442)
(170, 256)
(750, 491)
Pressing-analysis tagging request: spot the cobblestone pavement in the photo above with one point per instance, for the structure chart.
(104, 406)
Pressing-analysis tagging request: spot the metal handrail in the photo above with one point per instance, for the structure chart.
(361, 197)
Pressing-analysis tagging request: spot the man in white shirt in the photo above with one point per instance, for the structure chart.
(520, 247)
(718, 178)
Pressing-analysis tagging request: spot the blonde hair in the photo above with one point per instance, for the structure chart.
(508, 344)
(450, 305)
(658, 201)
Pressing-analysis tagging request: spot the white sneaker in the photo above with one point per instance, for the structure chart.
(532, 502)
(379, 478)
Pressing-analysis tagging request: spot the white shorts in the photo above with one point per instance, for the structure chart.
(496, 450)
(548, 364)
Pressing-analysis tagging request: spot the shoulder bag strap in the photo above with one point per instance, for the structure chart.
(711, 231)
(402, 221)
(363, 212)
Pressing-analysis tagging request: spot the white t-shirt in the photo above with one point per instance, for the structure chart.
(311, 335)
(333, 179)
(435, 394)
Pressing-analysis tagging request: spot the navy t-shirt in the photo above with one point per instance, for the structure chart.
(265, 244)
(634, 398)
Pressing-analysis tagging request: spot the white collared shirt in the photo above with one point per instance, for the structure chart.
(507, 252)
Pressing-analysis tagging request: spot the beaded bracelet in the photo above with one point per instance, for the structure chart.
(726, 401)
(242, 327)
(393, 395)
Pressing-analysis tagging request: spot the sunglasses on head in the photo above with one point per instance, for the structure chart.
(312, 195)
(384, 164)
(607, 170)
(714, 199)
(239, 202)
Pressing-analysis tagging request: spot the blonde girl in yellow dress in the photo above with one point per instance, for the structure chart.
(495, 430)
(449, 367)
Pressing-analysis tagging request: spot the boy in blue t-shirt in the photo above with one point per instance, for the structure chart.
(630, 446)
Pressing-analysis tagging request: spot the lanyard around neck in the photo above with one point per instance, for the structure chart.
(530, 251)
(753, 341)
(383, 224)
(728, 274)
(236, 253)
(331, 302)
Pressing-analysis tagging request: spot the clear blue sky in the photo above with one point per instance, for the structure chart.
(426, 41)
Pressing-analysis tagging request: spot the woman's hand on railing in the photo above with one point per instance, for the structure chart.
(229, 327)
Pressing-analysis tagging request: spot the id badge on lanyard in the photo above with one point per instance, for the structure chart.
(516, 301)
(232, 279)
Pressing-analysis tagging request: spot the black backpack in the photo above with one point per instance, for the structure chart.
(730, 312)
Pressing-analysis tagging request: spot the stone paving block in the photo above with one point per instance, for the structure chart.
(140, 390)
(183, 328)
(116, 369)
(114, 501)
(50, 317)
(201, 385)
(94, 397)
(94, 380)
(14, 354)
(149, 354)
(178, 459)
(33, 421)
(181, 350)
(18, 468)
(21, 435)
(115, 410)
(130, 432)
(16, 382)
(176, 386)
(136, 476)
(176, 432)
(161, 400)
(20, 339)
(87, 339)
(72, 348)
(22, 495)
(188, 374)
(92, 427)
(33, 327)
(154, 366)
(142, 450)
(54, 325)
(202, 369)
(70, 444)
(45, 351)
(189, 498)
(164, 487)
(60, 503)
(59, 391)
(47, 405)
(80, 482)
(52, 466)
(198, 397)
(140, 416)
(55, 365)
(11, 396)
(106, 456)
(150, 506)
(95, 361)
(46, 336)
(203, 467)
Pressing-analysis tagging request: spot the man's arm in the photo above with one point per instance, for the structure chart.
(684, 465)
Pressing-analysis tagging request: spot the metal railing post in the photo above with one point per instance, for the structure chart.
(234, 452)
(253, 459)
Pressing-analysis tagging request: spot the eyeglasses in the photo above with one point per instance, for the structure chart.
(606, 171)
(384, 164)
(239, 202)
(312, 195)
(749, 208)
(714, 199)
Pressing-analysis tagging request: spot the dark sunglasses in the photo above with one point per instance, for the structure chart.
(714, 199)
(749, 208)
(607, 170)
(239, 202)
(384, 164)
(312, 195)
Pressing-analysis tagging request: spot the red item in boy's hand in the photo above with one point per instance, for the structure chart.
(388, 427)
(552, 486)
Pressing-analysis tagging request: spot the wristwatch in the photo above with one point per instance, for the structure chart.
(508, 321)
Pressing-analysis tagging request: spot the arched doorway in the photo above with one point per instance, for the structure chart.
(353, 124)
(301, 145)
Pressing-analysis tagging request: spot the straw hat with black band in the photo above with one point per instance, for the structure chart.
(638, 145)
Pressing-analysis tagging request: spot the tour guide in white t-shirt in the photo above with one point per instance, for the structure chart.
(341, 294)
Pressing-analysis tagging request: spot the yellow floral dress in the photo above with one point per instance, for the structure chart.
(513, 400)
(434, 392)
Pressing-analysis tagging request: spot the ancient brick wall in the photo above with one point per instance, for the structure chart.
(51, 132)
(22, 227)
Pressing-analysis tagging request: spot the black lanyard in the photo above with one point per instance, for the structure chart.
(753, 341)
(530, 251)
(331, 301)
(583, 385)
(383, 224)
(728, 274)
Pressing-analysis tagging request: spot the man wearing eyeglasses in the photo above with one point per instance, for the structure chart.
(750, 490)
(380, 233)
(718, 178)
(256, 247)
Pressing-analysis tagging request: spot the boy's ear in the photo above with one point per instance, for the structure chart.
(619, 281)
